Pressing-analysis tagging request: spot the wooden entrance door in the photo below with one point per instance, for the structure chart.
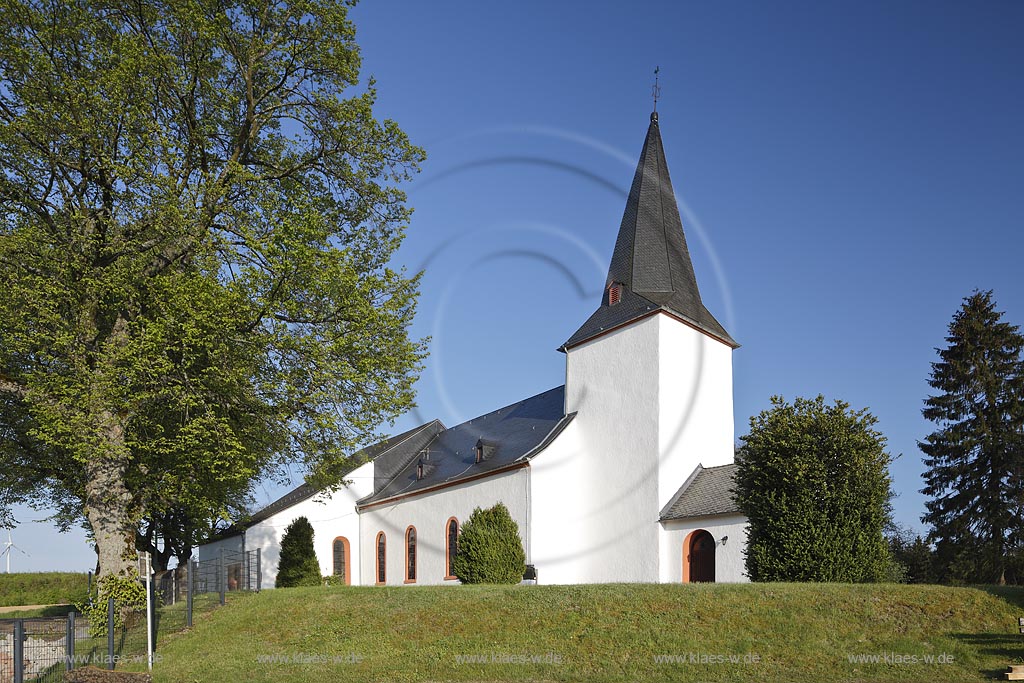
(702, 557)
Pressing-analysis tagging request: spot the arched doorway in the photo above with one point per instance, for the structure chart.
(699, 558)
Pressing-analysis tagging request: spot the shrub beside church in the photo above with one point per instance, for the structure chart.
(298, 565)
(490, 550)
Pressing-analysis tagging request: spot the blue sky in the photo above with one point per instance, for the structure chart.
(849, 172)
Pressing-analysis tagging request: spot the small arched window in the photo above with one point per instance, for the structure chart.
(451, 546)
(382, 556)
(341, 559)
(410, 555)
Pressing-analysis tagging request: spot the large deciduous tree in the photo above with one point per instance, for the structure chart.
(813, 479)
(975, 457)
(197, 213)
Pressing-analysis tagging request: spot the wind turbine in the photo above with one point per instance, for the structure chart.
(7, 550)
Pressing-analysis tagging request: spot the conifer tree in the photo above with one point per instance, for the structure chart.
(975, 456)
(298, 565)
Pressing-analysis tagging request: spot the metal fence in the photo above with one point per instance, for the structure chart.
(42, 649)
(35, 649)
(228, 571)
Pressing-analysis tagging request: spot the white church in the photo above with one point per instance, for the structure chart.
(623, 474)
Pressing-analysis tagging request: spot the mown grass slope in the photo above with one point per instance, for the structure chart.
(796, 632)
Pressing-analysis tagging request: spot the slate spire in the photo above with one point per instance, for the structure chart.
(650, 268)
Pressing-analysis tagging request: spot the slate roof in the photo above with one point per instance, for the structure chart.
(512, 435)
(385, 452)
(651, 260)
(708, 491)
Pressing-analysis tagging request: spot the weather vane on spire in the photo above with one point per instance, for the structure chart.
(656, 89)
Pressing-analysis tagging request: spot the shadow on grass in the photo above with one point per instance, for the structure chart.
(1011, 594)
(1006, 646)
(57, 610)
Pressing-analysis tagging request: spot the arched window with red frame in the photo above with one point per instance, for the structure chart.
(451, 546)
(410, 555)
(382, 558)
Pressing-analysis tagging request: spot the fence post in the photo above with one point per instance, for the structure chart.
(222, 578)
(69, 646)
(189, 578)
(259, 570)
(19, 650)
(110, 633)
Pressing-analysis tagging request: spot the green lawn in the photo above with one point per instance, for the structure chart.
(762, 632)
(43, 588)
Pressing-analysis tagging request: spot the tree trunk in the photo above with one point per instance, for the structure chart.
(108, 503)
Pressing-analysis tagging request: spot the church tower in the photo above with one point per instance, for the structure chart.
(649, 376)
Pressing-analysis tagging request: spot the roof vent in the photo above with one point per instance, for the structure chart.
(484, 450)
(614, 293)
(423, 469)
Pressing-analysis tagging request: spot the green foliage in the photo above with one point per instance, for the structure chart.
(915, 556)
(298, 565)
(813, 480)
(490, 549)
(332, 580)
(975, 457)
(129, 595)
(197, 214)
(42, 588)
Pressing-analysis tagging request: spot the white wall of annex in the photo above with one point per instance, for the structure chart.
(210, 551)
(730, 563)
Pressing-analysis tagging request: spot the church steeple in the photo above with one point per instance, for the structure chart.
(651, 268)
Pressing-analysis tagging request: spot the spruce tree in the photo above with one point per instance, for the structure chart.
(298, 565)
(974, 458)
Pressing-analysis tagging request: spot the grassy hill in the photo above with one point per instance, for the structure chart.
(43, 588)
(763, 632)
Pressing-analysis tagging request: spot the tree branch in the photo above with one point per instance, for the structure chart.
(9, 386)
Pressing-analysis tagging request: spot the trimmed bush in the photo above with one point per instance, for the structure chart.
(813, 479)
(490, 550)
(298, 565)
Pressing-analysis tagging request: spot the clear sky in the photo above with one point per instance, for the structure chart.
(848, 172)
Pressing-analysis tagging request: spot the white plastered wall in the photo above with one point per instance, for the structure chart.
(429, 513)
(654, 400)
(695, 415)
(612, 382)
(332, 516)
(210, 551)
(730, 563)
